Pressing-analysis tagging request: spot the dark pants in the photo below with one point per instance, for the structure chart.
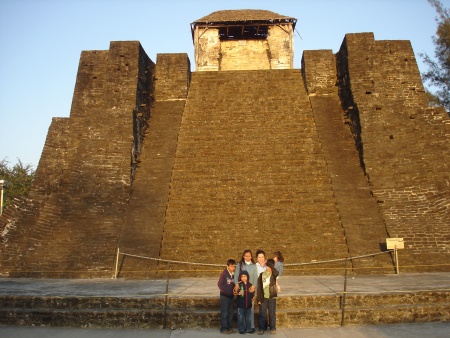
(271, 305)
(226, 313)
(244, 319)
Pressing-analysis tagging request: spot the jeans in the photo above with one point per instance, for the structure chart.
(244, 319)
(271, 305)
(252, 316)
(226, 313)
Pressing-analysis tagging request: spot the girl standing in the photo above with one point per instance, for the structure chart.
(278, 259)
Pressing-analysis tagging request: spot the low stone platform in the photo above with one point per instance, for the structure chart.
(306, 301)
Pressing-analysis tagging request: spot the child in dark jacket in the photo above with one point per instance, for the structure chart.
(226, 286)
(266, 297)
(245, 293)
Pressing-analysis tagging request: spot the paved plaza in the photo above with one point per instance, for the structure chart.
(207, 287)
(414, 330)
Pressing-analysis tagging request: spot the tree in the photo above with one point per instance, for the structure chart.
(18, 180)
(438, 73)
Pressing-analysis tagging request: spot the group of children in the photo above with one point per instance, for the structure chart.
(243, 280)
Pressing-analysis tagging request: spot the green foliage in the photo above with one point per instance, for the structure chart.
(18, 180)
(438, 73)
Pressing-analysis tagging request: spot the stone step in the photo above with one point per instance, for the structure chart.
(203, 312)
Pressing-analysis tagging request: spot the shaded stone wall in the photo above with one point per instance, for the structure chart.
(402, 143)
(363, 224)
(143, 226)
(74, 231)
(46, 181)
(50, 169)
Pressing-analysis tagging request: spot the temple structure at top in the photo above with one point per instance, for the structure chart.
(243, 40)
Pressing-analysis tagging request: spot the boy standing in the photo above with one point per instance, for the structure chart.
(245, 292)
(226, 286)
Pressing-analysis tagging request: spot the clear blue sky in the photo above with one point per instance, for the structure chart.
(41, 42)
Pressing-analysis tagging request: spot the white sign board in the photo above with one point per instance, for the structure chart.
(392, 243)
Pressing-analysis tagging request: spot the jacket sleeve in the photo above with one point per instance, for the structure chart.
(222, 282)
(254, 275)
(275, 272)
(259, 290)
(280, 268)
(236, 274)
(251, 294)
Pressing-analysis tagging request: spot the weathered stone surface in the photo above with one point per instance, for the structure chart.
(402, 144)
(250, 172)
(83, 180)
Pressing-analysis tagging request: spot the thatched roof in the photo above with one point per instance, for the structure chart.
(243, 15)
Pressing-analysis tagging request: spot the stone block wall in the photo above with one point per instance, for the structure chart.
(80, 220)
(321, 75)
(49, 172)
(172, 77)
(400, 146)
(144, 221)
(363, 224)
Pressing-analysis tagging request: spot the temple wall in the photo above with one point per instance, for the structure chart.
(402, 143)
(86, 171)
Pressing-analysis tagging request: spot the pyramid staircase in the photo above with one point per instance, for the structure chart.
(250, 172)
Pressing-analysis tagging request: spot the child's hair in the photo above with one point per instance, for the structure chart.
(279, 256)
(231, 262)
(244, 273)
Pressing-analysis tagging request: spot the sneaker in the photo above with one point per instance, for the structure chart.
(251, 331)
(232, 331)
(225, 332)
(273, 331)
(260, 332)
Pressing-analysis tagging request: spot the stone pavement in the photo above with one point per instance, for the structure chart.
(414, 330)
(207, 287)
(291, 285)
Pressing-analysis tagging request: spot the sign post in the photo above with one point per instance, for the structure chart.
(395, 244)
